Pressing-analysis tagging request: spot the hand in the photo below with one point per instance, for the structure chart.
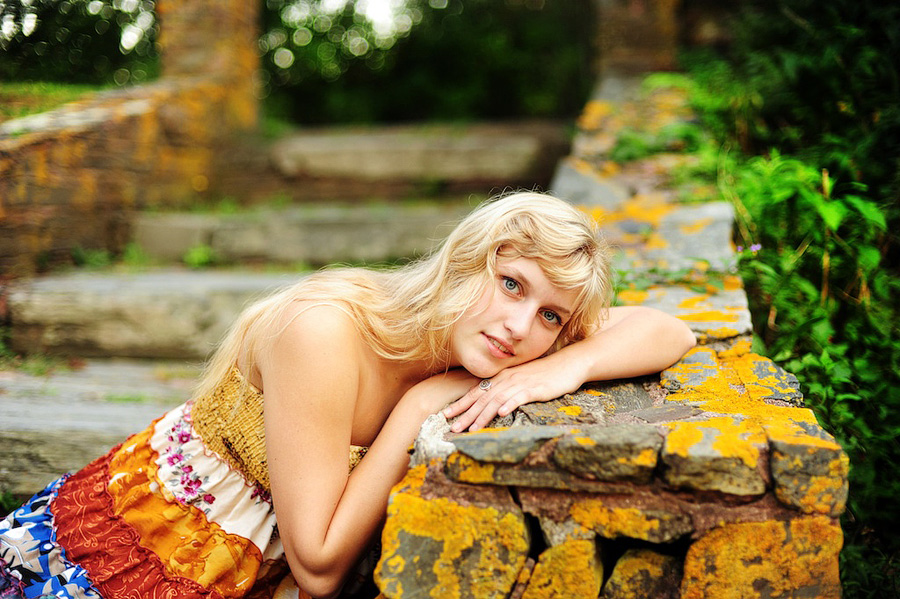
(538, 380)
(434, 393)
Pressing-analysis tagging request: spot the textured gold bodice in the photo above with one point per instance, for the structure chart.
(230, 422)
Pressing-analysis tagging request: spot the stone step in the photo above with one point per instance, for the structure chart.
(156, 313)
(59, 422)
(313, 234)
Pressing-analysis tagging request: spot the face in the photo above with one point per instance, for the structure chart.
(517, 319)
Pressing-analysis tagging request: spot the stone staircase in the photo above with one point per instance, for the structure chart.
(130, 342)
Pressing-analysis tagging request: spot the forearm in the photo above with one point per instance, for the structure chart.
(642, 342)
(320, 565)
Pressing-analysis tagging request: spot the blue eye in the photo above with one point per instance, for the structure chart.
(510, 284)
(551, 316)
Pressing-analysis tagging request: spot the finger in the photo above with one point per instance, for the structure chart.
(514, 402)
(503, 406)
(460, 405)
(465, 419)
(487, 413)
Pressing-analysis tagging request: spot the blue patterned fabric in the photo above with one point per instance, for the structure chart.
(36, 566)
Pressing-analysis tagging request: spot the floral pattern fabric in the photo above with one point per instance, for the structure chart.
(158, 517)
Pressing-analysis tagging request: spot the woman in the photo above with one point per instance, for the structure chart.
(346, 362)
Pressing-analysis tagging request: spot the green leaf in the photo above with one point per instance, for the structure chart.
(869, 210)
(869, 257)
(832, 213)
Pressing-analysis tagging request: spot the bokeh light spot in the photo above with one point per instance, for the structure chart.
(283, 58)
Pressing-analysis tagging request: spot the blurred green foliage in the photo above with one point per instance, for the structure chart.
(448, 60)
(806, 106)
(78, 41)
(323, 62)
(19, 99)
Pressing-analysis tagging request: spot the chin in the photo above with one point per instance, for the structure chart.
(482, 371)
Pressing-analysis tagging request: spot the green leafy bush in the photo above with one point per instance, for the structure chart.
(806, 109)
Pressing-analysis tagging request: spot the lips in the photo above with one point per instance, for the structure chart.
(498, 348)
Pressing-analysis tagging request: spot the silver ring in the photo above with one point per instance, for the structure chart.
(485, 384)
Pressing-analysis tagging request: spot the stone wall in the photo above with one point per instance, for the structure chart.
(709, 480)
(70, 177)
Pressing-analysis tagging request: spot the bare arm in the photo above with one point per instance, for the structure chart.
(311, 381)
(634, 341)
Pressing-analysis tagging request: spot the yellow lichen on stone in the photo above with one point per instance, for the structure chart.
(788, 431)
(766, 559)
(570, 570)
(647, 457)
(648, 208)
(691, 303)
(632, 297)
(748, 367)
(587, 441)
(682, 438)
(582, 166)
(39, 169)
(730, 438)
(732, 283)
(696, 226)
(570, 410)
(469, 470)
(655, 241)
(740, 347)
(650, 562)
(612, 522)
(709, 316)
(810, 472)
(642, 573)
(457, 548)
(716, 333)
(593, 114)
(819, 494)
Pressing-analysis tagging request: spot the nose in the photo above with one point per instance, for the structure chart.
(518, 320)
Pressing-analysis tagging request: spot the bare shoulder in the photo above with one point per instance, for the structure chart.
(318, 319)
(311, 340)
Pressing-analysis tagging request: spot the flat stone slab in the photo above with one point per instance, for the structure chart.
(312, 234)
(575, 182)
(672, 238)
(713, 314)
(439, 153)
(166, 313)
(59, 422)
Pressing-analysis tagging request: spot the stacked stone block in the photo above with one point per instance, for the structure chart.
(710, 480)
(69, 178)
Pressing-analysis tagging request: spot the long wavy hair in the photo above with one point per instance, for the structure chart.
(408, 313)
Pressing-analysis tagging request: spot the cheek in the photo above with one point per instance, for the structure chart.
(541, 341)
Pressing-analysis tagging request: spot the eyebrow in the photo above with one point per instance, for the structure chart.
(523, 280)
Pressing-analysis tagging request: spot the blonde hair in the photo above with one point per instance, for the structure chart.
(408, 313)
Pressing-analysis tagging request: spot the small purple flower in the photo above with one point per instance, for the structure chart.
(740, 248)
(755, 247)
